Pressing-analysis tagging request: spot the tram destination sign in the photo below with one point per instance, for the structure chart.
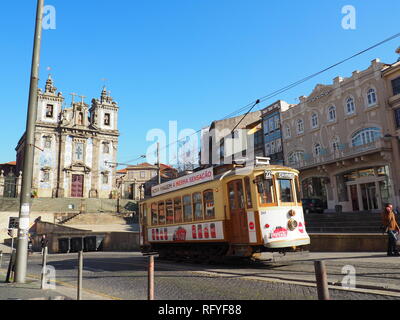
(183, 182)
(285, 175)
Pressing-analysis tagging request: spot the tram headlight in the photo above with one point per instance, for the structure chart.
(292, 213)
(292, 224)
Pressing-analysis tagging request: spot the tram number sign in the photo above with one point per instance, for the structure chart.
(268, 174)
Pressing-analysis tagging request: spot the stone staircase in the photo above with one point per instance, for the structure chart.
(353, 222)
(102, 222)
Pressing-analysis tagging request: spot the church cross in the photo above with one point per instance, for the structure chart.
(83, 99)
(73, 97)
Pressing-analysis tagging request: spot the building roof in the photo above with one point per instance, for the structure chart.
(12, 163)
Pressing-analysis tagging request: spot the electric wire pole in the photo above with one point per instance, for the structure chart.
(26, 188)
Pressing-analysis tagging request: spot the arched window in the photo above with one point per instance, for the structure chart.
(317, 149)
(332, 114)
(371, 96)
(350, 106)
(296, 157)
(314, 120)
(365, 136)
(80, 118)
(300, 126)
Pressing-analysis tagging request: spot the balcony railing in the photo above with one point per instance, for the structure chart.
(344, 151)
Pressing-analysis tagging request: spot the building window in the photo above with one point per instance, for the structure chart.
(46, 176)
(47, 142)
(107, 119)
(371, 96)
(105, 178)
(277, 122)
(154, 214)
(317, 150)
(278, 145)
(266, 129)
(300, 126)
(296, 157)
(271, 125)
(143, 174)
(350, 106)
(80, 119)
(273, 147)
(49, 111)
(332, 114)
(397, 116)
(106, 148)
(396, 86)
(365, 136)
(79, 151)
(314, 120)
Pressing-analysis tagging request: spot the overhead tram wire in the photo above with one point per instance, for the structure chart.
(253, 104)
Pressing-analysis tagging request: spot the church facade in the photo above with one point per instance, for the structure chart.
(75, 147)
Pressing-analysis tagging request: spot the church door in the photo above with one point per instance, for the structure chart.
(77, 186)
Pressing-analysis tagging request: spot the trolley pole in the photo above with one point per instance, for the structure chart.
(26, 188)
(322, 280)
(158, 163)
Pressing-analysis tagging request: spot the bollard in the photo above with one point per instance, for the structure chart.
(151, 278)
(80, 272)
(1, 258)
(322, 280)
(44, 264)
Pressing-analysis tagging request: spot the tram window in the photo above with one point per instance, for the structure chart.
(197, 206)
(154, 214)
(231, 191)
(161, 212)
(248, 192)
(285, 190)
(170, 212)
(265, 188)
(209, 204)
(178, 210)
(187, 208)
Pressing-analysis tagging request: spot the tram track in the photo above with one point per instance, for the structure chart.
(334, 271)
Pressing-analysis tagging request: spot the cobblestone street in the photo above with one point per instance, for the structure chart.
(124, 276)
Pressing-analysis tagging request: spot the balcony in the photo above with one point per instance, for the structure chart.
(346, 151)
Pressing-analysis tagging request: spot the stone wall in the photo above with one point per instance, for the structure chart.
(348, 243)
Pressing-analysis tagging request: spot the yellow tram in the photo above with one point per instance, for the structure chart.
(226, 211)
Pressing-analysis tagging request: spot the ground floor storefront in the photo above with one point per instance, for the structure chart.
(365, 183)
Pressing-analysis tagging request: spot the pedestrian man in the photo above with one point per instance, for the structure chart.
(392, 229)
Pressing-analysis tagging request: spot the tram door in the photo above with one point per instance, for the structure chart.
(238, 222)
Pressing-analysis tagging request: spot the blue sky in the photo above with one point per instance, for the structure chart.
(191, 61)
